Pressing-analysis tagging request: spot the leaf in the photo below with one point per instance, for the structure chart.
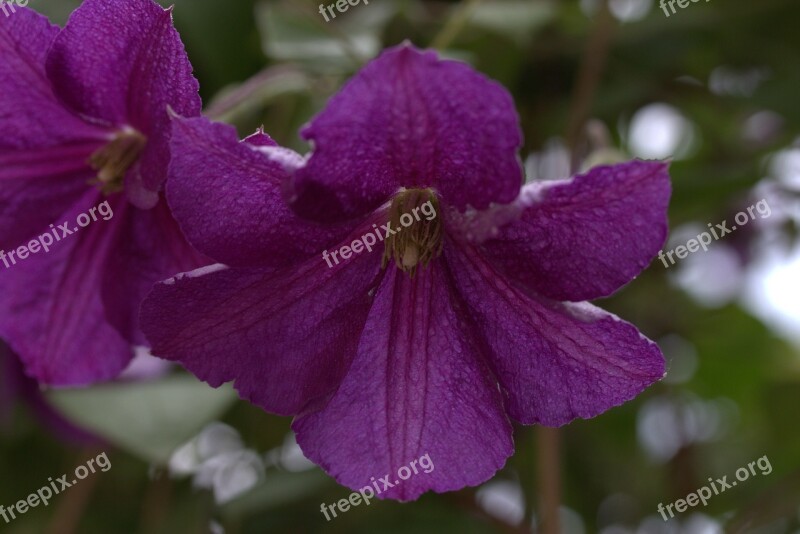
(519, 19)
(294, 32)
(148, 419)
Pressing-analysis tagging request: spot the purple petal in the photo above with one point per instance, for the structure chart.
(226, 195)
(15, 383)
(556, 362)
(149, 247)
(409, 119)
(44, 147)
(123, 64)
(31, 115)
(584, 238)
(52, 313)
(37, 187)
(285, 338)
(16, 386)
(417, 386)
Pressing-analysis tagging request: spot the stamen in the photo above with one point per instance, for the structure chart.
(113, 160)
(414, 215)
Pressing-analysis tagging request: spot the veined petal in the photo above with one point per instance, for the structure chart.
(30, 114)
(285, 338)
(418, 386)
(556, 362)
(52, 313)
(37, 187)
(410, 119)
(226, 196)
(43, 147)
(149, 248)
(584, 238)
(123, 64)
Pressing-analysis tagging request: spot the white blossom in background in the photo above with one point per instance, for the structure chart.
(219, 461)
(289, 456)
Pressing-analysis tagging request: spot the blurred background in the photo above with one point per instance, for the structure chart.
(713, 86)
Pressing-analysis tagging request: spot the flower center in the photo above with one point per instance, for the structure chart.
(113, 160)
(417, 237)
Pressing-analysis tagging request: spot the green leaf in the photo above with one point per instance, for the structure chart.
(519, 19)
(296, 32)
(148, 419)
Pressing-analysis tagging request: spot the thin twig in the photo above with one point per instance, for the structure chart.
(72, 506)
(589, 75)
(221, 109)
(455, 24)
(549, 481)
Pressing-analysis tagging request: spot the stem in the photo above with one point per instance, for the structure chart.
(549, 481)
(71, 507)
(157, 501)
(454, 25)
(259, 89)
(332, 29)
(591, 70)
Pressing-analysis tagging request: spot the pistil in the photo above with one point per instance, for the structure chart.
(417, 239)
(113, 160)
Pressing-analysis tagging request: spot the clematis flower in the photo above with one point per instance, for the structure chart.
(84, 116)
(456, 326)
(17, 388)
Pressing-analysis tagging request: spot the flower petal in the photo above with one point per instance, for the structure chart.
(149, 247)
(44, 147)
(36, 188)
(417, 386)
(123, 64)
(226, 196)
(585, 238)
(15, 383)
(409, 119)
(556, 362)
(31, 114)
(52, 313)
(285, 338)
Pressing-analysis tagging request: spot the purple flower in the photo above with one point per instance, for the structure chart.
(84, 116)
(15, 386)
(456, 326)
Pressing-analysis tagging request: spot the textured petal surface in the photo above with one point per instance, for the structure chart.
(31, 114)
(36, 187)
(43, 146)
(226, 195)
(149, 248)
(556, 362)
(418, 386)
(409, 119)
(52, 313)
(584, 238)
(123, 64)
(284, 338)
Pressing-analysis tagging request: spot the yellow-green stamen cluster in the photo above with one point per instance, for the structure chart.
(421, 240)
(114, 159)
